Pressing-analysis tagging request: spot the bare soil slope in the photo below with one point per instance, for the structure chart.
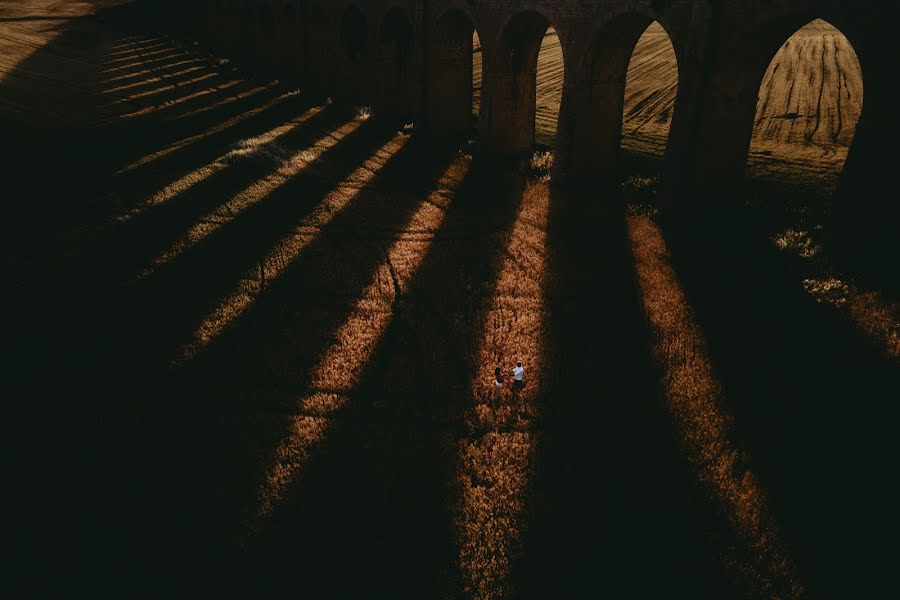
(809, 104)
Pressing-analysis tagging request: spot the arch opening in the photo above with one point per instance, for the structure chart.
(628, 83)
(809, 103)
(455, 74)
(354, 35)
(548, 89)
(526, 89)
(651, 86)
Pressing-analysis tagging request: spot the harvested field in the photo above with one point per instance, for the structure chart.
(810, 101)
(549, 89)
(809, 104)
(251, 341)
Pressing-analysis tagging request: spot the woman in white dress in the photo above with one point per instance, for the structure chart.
(498, 386)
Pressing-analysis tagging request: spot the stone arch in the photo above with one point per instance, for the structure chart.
(450, 66)
(221, 23)
(394, 65)
(320, 50)
(354, 84)
(354, 34)
(598, 95)
(509, 103)
(290, 43)
(724, 128)
(267, 19)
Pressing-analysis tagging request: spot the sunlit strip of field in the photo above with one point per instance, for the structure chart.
(137, 49)
(254, 194)
(355, 340)
(140, 56)
(158, 78)
(153, 70)
(694, 399)
(230, 99)
(286, 251)
(244, 148)
(158, 61)
(494, 460)
(132, 41)
(165, 88)
(189, 96)
(223, 126)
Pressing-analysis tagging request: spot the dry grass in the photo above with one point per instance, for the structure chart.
(494, 459)
(694, 397)
(871, 311)
(284, 253)
(343, 320)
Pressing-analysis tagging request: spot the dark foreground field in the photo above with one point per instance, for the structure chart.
(249, 346)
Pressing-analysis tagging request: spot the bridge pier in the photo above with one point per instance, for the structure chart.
(320, 52)
(396, 67)
(509, 95)
(354, 64)
(448, 105)
(596, 100)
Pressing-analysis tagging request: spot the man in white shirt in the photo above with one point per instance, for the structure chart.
(518, 377)
(518, 384)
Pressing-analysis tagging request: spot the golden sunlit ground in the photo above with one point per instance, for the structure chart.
(251, 339)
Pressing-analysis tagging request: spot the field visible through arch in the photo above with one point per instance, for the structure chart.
(794, 134)
(809, 103)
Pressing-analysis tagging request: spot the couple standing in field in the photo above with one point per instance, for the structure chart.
(518, 375)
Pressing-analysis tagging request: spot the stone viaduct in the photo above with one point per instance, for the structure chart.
(412, 60)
